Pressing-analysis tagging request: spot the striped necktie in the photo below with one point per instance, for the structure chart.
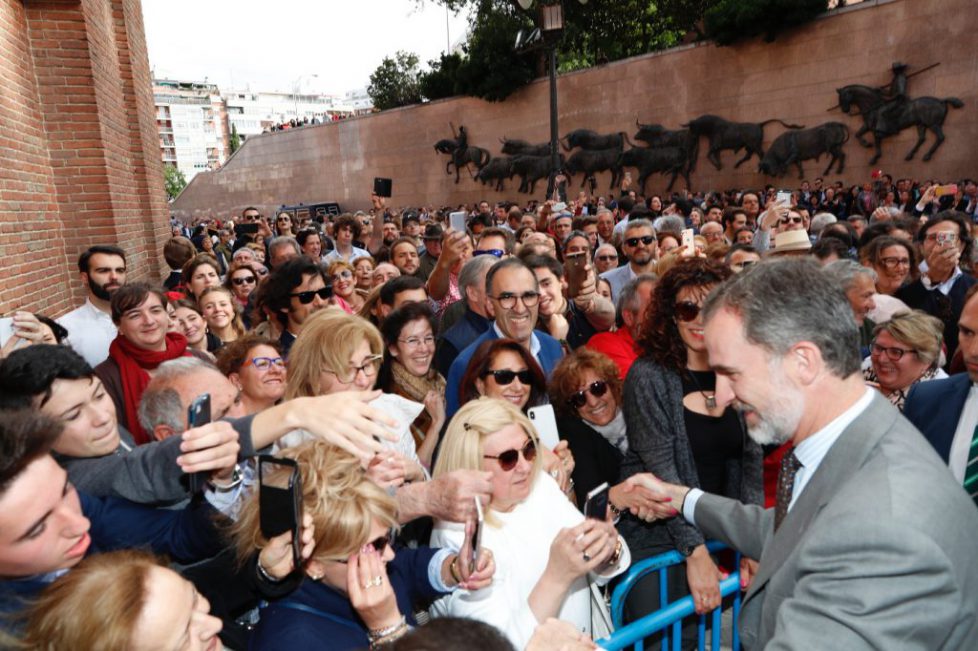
(971, 470)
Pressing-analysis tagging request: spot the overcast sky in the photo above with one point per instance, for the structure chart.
(269, 45)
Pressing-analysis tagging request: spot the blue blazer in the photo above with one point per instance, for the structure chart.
(550, 354)
(935, 407)
(317, 616)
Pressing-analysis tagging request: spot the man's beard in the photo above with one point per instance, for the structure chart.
(100, 291)
(780, 420)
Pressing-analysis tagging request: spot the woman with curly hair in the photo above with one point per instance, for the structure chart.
(678, 432)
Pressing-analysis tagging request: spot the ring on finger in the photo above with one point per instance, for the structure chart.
(587, 557)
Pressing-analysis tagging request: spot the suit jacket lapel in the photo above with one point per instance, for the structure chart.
(842, 460)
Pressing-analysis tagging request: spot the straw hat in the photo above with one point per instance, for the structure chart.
(791, 241)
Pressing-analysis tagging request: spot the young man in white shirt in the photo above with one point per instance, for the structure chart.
(102, 269)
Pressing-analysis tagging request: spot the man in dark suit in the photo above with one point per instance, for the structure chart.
(871, 544)
(946, 411)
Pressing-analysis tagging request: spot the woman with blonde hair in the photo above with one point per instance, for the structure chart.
(220, 311)
(338, 352)
(905, 350)
(344, 280)
(546, 552)
(120, 601)
(355, 591)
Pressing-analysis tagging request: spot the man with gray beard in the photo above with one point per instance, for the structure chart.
(871, 543)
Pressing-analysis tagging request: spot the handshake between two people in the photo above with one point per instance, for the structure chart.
(649, 498)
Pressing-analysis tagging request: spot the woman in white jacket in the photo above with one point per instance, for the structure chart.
(546, 552)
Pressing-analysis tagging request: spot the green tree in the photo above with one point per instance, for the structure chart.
(729, 21)
(173, 181)
(235, 143)
(492, 69)
(395, 82)
(439, 81)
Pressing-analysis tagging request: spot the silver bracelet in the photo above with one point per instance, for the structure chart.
(376, 634)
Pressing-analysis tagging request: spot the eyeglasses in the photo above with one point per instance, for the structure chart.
(496, 253)
(893, 354)
(606, 258)
(504, 376)
(791, 220)
(507, 300)
(265, 363)
(596, 389)
(893, 263)
(645, 239)
(346, 274)
(306, 298)
(380, 544)
(262, 272)
(283, 219)
(508, 459)
(687, 311)
(417, 342)
(369, 368)
(243, 280)
(741, 265)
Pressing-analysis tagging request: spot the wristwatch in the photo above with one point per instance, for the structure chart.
(236, 477)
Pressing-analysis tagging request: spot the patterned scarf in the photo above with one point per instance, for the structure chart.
(899, 396)
(415, 388)
(614, 432)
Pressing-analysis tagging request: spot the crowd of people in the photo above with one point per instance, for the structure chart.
(444, 403)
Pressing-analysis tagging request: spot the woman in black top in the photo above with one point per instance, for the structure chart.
(678, 432)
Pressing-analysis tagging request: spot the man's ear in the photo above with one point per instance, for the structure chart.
(805, 362)
(162, 432)
(84, 278)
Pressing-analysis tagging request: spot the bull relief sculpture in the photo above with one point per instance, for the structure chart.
(793, 147)
(887, 110)
(462, 154)
(723, 134)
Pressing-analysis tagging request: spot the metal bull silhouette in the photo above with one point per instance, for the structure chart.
(724, 134)
(793, 147)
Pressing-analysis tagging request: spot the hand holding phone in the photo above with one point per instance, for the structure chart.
(198, 414)
(596, 505)
(383, 187)
(280, 501)
(575, 265)
(689, 243)
(457, 221)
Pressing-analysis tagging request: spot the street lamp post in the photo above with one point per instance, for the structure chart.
(296, 88)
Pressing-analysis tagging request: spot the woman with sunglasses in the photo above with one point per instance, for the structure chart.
(585, 390)
(255, 366)
(678, 432)
(905, 350)
(503, 369)
(242, 281)
(283, 225)
(407, 371)
(338, 352)
(344, 280)
(356, 589)
(546, 552)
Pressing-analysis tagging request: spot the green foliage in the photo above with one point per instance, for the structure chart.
(173, 181)
(731, 20)
(439, 82)
(235, 140)
(395, 82)
(492, 69)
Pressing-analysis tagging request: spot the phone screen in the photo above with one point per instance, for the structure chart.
(596, 506)
(476, 541)
(280, 501)
(199, 413)
(457, 221)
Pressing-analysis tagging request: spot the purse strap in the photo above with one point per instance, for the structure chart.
(295, 605)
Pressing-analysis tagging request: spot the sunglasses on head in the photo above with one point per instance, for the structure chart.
(645, 239)
(687, 311)
(508, 459)
(504, 377)
(596, 389)
(243, 280)
(306, 298)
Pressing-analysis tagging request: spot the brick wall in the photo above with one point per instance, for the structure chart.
(793, 78)
(79, 162)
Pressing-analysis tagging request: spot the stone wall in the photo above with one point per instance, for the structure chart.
(79, 152)
(793, 78)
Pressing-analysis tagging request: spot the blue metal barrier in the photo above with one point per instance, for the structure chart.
(670, 615)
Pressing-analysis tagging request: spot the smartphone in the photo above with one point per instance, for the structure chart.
(199, 413)
(596, 505)
(945, 238)
(545, 422)
(783, 197)
(457, 221)
(382, 187)
(941, 190)
(476, 541)
(689, 243)
(6, 329)
(575, 268)
(280, 501)
(560, 205)
(245, 229)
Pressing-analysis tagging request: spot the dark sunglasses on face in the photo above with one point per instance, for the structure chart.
(306, 298)
(791, 220)
(504, 377)
(606, 258)
(508, 459)
(687, 311)
(645, 239)
(596, 389)
(379, 544)
(243, 280)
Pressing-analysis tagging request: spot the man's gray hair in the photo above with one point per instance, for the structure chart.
(669, 224)
(628, 297)
(784, 302)
(283, 241)
(473, 271)
(638, 223)
(160, 404)
(845, 272)
(820, 221)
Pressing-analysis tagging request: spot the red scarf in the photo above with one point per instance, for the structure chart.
(133, 363)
